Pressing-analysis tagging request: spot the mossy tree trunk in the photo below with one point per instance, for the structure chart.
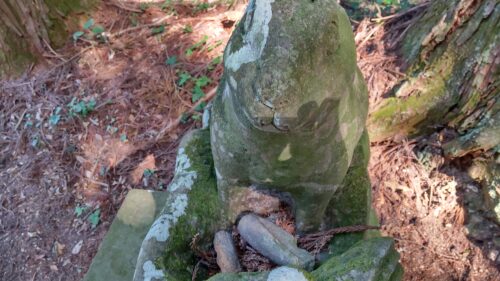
(452, 55)
(28, 26)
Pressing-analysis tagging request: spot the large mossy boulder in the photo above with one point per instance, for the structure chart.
(291, 107)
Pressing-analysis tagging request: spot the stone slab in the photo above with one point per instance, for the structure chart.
(117, 254)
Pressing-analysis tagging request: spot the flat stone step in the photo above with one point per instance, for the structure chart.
(117, 254)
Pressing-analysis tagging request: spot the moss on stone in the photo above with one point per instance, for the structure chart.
(351, 205)
(203, 215)
(369, 260)
(446, 78)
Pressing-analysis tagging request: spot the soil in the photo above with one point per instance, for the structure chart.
(65, 171)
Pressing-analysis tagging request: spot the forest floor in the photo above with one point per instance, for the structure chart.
(105, 113)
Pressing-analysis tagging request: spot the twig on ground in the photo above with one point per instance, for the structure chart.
(315, 242)
(171, 126)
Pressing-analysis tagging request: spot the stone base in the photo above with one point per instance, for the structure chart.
(117, 255)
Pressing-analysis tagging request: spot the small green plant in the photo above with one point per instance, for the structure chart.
(123, 137)
(183, 78)
(184, 117)
(96, 31)
(158, 29)
(29, 122)
(148, 173)
(55, 117)
(196, 117)
(187, 29)
(212, 47)
(94, 218)
(201, 7)
(79, 210)
(199, 83)
(211, 66)
(81, 108)
(171, 60)
(134, 19)
(196, 46)
(144, 6)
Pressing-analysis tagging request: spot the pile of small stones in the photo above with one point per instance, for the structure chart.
(266, 238)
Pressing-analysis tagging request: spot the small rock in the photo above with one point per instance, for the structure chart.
(478, 228)
(493, 254)
(285, 273)
(252, 200)
(227, 259)
(273, 242)
(76, 249)
(59, 248)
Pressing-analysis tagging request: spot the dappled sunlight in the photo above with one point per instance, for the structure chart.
(145, 75)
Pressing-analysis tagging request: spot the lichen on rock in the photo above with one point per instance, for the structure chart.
(192, 209)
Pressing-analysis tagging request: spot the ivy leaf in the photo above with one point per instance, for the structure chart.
(171, 60)
(98, 30)
(183, 78)
(187, 29)
(148, 173)
(157, 30)
(214, 63)
(94, 218)
(79, 210)
(197, 94)
(88, 24)
(202, 81)
(77, 35)
(55, 117)
(123, 138)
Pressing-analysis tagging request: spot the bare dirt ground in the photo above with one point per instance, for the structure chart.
(105, 113)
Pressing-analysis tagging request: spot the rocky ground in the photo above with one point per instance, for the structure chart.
(104, 115)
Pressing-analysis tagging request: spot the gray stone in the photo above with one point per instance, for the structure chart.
(252, 200)
(478, 228)
(369, 260)
(283, 273)
(291, 107)
(192, 209)
(117, 255)
(227, 259)
(273, 242)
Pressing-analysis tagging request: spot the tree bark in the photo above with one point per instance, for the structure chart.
(27, 27)
(452, 55)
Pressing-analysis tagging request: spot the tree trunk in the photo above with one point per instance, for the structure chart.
(452, 53)
(27, 27)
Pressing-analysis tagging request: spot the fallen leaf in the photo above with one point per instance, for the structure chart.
(76, 249)
(59, 248)
(148, 163)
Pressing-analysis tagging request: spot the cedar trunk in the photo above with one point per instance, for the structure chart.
(451, 53)
(28, 27)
